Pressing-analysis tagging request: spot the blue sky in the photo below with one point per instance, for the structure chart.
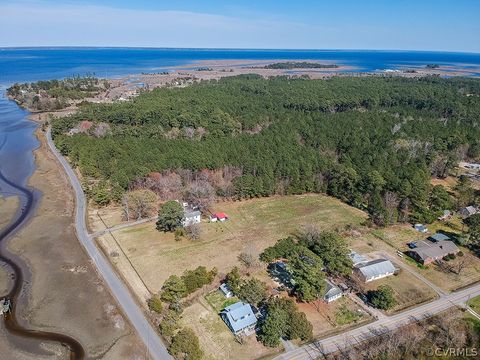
(334, 24)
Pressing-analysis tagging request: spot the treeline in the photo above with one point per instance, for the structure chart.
(55, 94)
(373, 142)
(300, 65)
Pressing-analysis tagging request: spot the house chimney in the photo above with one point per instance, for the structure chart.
(441, 246)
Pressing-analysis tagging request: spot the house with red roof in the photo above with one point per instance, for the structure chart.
(220, 216)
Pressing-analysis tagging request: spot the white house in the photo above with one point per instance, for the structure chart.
(191, 217)
(374, 270)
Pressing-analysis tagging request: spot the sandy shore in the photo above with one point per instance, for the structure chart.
(66, 294)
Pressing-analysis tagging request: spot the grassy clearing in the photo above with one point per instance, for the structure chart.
(218, 301)
(474, 303)
(333, 317)
(408, 290)
(345, 316)
(253, 224)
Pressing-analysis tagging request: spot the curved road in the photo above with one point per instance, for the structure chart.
(154, 344)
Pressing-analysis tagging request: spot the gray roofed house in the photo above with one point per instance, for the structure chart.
(427, 252)
(374, 270)
(438, 237)
(240, 318)
(356, 258)
(333, 292)
(468, 211)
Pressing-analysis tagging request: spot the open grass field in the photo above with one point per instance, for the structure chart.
(254, 224)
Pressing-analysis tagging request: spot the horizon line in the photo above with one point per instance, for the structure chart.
(88, 47)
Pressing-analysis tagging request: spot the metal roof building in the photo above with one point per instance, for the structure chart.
(240, 318)
(375, 269)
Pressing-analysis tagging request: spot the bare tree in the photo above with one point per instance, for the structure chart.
(201, 193)
(249, 256)
(193, 231)
(139, 204)
(391, 202)
(462, 263)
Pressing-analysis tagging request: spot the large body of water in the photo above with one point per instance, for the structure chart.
(17, 140)
(39, 63)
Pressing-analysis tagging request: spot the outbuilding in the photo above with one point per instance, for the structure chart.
(218, 217)
(333, 292)
(374, 270)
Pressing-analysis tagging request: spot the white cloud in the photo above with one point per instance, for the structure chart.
(36, 24)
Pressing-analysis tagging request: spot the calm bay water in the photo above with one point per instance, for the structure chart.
(19, 64)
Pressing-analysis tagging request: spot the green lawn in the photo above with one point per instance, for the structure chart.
(218, 301)
(474, 303)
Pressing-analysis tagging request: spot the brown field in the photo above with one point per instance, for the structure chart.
(104, 217)
(256, 224)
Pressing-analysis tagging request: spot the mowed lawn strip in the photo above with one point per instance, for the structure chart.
(256, 223)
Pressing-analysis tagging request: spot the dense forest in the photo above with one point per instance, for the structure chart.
(374, 142)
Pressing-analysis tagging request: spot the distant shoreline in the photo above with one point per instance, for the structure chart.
(122, 88)
(73, 47)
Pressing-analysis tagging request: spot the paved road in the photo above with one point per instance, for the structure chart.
(333, 343)
(121, 226)
(155, 346)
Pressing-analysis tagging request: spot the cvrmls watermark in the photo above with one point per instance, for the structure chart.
(451, 351)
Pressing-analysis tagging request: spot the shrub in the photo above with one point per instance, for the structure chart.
(155, 304)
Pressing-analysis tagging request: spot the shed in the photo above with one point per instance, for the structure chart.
(420, 227)
(225, 289)
(333, 292)
(218, 217)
